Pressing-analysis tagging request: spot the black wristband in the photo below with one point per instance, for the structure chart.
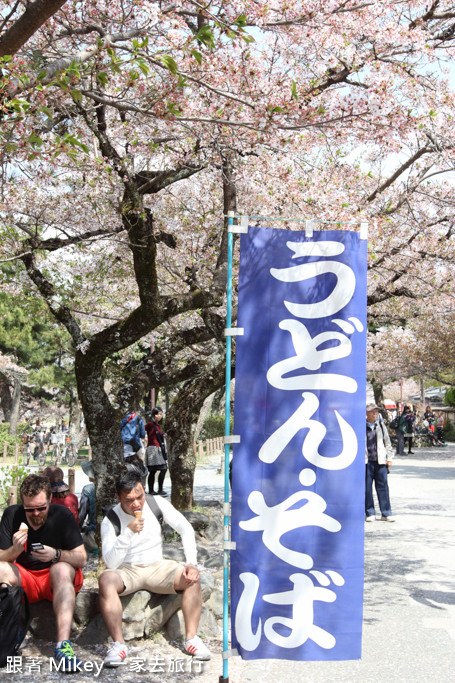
(58, 553)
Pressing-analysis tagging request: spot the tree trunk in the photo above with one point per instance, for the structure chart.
(205, 411)
(14, 416)
(379, 396)
(5, 398)
(181, 423)
(103, 426)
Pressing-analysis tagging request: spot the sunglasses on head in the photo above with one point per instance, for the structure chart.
(40, 508)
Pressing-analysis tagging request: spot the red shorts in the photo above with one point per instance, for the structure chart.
(37, 585)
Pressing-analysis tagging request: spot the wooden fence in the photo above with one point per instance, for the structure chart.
(209, 447)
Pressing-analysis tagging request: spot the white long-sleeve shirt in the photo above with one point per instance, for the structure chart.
(146, 547)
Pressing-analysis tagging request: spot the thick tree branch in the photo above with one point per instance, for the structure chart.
(35, 15)
(404, 167)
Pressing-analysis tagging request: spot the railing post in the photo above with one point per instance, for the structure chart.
(71, 480)
(12, 495)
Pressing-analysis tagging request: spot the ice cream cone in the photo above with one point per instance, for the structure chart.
(24, 527)
(138, 515)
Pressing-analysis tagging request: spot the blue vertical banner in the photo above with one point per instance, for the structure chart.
(298, 477)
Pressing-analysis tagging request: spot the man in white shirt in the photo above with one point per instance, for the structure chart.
(134, 561)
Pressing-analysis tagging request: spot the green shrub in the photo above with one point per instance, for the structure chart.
(214, 427)
(449, 431)
(9, 438)
(449, 398)
(11, 476)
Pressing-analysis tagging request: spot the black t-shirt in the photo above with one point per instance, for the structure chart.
(60, 530)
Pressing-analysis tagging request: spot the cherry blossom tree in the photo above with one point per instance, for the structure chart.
(127, 126)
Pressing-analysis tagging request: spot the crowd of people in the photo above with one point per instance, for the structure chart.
(45, 538)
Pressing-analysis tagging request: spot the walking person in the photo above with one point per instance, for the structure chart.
(400, 432)
(440, 425)
(409, 419)
(155, 455)
(378, 459)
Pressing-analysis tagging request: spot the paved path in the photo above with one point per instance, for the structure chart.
(409, 606)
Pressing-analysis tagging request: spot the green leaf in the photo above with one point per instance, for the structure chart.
(241, 20)
(35, 140)
(433, 113)
(47, 111)
(294, 91)
(205, 36)
(74, 142)
(76, 95)
(143, 67)
(102, 77)
(197, 56)
(247, 38)
(169, 62)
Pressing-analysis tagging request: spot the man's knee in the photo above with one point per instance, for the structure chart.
(10, 574)
(61, 574)
(110, 582)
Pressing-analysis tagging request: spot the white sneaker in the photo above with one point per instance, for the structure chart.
(196, 648)
(387, 519)
(371, 518)
(116, 655)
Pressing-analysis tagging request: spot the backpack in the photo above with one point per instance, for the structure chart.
(395, 422)
(126, 433)
(153, 505)
(14, 620)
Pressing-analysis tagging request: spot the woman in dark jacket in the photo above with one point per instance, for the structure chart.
(155, 455)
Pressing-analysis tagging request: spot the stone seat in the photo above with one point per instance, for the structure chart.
(143, 613)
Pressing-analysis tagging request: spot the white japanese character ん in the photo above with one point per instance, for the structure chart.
(272, 448)
(301, 598)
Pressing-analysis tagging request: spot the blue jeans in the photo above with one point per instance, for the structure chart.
(378, 474)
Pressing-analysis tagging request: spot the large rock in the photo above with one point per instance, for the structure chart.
(198, 520)
(145, 612)
(215, 603)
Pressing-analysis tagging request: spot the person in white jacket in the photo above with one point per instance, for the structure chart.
(378, 459)
(134, 561)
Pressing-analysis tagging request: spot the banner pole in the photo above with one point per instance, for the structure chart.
(227, 428)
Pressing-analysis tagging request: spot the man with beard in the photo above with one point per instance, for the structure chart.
(42, 550)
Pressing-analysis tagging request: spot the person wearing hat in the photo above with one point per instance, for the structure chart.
(87, 512)
(60, 491)
(378, 459)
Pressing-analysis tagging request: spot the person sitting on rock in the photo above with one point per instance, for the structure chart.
(134, 562)
(41, 550)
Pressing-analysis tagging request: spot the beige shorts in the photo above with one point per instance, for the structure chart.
(158, 577)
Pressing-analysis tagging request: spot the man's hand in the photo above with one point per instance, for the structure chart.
(47, 554)
(389, 463)
(19, 541)
(136, 525)
(190, 574)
